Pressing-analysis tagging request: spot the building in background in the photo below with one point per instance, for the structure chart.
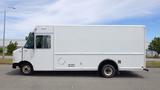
(150, 53)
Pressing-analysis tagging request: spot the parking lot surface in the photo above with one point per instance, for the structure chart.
(11, 79)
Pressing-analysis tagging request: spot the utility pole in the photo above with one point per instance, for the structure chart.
(4, 30)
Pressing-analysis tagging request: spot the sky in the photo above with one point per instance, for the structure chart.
(29, 13)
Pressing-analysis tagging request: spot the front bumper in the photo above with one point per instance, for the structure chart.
(14, 65)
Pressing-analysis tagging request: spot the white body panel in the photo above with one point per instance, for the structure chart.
(84, 47)
(87, 46)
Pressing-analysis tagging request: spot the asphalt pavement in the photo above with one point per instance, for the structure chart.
(11, 79)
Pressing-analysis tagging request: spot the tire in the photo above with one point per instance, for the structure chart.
(108, 71)
(26, 69)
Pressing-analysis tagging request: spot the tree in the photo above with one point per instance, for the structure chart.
(155, 45)
(1, 50)
(11, 47)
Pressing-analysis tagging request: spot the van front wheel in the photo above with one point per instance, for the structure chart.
(26, 69)
(108, 71)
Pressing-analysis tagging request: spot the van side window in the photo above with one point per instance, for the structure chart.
(43, 41)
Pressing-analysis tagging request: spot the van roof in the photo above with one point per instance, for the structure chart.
(92, 25)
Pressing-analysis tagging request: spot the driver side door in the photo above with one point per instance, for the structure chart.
(43, 56)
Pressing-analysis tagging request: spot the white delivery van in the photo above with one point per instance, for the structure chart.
(104, 48)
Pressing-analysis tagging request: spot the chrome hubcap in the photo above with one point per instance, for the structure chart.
(108, 71)
(26, 69)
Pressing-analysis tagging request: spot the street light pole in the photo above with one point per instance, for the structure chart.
(4, 31)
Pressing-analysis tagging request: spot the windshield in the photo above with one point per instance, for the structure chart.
(30, 41)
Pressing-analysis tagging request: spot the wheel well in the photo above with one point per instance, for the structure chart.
(25, 62)
(108, 61)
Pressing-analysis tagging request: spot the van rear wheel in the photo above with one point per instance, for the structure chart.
(108, 71)
(26, 69)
